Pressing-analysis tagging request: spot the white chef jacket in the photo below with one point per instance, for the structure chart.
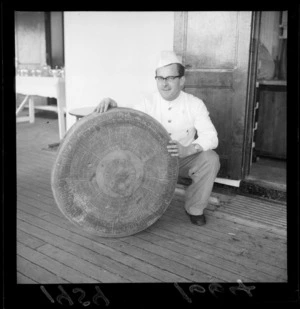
(182, 117)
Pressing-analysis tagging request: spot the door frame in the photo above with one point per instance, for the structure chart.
(251, 95)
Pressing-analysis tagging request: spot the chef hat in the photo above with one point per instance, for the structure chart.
(167, 57)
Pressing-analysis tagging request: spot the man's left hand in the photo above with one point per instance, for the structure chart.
(177, 150)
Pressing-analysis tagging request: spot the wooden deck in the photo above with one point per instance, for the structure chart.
(244, 238)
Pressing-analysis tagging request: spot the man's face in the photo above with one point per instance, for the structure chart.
(169, 90)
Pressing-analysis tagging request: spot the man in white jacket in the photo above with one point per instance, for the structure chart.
(193, 135)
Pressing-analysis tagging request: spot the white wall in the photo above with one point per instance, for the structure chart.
(113, 54)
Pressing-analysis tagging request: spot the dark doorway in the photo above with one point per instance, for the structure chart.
(267, 162)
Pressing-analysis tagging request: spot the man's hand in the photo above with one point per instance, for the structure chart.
(178, 150)
(105, 104)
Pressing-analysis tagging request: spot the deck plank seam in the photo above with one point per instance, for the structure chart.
(192, 229)
(179, 215)
(68, 267)
(193, 247)
(231, 228)
(213, 265)
(40, 266)
(19, 272)
(232, 270)
(43, 248)
(208, 243)
(96, 251)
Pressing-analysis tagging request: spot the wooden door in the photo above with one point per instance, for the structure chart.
(215, 48)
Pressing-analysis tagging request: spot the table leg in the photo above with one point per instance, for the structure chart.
(61, 104)
(61, 121)
(21, 105)
(31, 110)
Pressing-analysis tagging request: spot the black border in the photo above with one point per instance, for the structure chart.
(142, 295)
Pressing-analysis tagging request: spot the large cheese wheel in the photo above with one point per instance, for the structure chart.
(113, 175)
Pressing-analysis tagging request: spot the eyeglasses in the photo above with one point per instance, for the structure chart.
(168, 78)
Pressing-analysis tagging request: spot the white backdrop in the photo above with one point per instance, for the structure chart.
(113, 54)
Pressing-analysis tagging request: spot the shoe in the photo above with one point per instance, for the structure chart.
(197, 220)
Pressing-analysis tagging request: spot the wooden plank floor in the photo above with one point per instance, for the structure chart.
(244, 238)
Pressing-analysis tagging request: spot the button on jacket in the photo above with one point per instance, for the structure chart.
(182, 118)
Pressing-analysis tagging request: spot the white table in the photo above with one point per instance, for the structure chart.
(52, 87)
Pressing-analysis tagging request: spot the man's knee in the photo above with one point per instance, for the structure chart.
(207, 163)
(212, 158)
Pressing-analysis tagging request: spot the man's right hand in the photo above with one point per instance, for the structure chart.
(105, 104)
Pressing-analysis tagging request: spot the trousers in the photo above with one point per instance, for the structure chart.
(202, 168)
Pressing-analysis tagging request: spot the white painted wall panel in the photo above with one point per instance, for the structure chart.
(113, 54)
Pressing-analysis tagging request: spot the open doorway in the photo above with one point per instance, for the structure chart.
(268, 155)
